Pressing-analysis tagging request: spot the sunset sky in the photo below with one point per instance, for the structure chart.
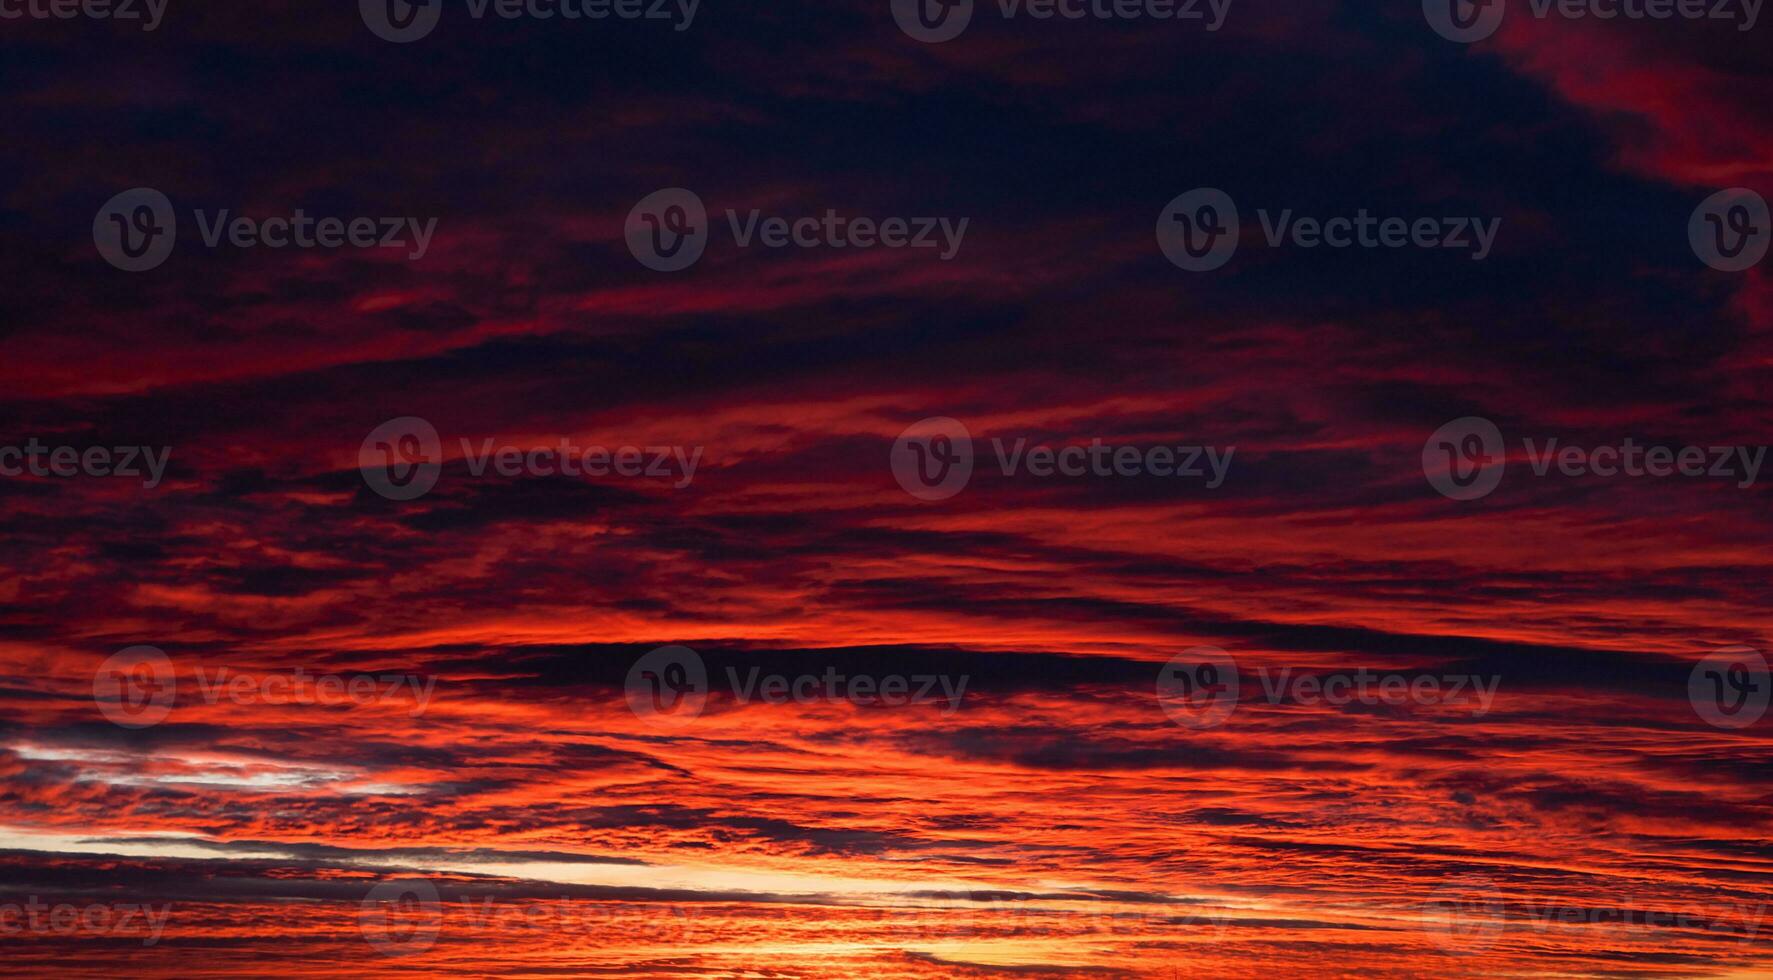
(494, 780)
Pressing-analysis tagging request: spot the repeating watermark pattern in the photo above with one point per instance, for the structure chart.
(1200, 230)
(1741, 464)
(1198, 687)
(1465, 916)
(137, 229)
(1730, 230)
(401, 917)
(148, 12)
(1730, 687)
(936, 21)
(675, 463)
(299, 687)
(1469, 21)
(405, 21)
(137, 687)
(106, 920)
(404, 917)
(673, 681)
(36, 459)
(1465, 459)
(669, 682)
(949, 916)
(1373, 689)
(1733, 917)
(402, 459)
(299, 230)
(933, 459)
(668, 230)
(1470, 915)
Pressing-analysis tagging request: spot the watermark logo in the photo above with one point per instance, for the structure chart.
(401, 21)
(1469, 21)
(135, 687)
(402, 458)
(1725, 916)
(136, 230)
(1464, 21)
(933, 459)
(1465, 459)
(668, 230)
(405, 21)
(1198, 230)
(1730, 230)
(407, 916)
(1465, 916)
(933, 21)
(1198, 687)
(1730, 687)
(400, 918)
(673, 682)
(936, 21)
(670, 682)
(1468, 915)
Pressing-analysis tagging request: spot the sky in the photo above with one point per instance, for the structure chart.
(763, 491)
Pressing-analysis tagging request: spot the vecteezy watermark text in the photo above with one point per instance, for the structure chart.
(66, 462)
(1469, 914)
(137, 229)
(406, 916)
(1466, 458)
(936, 21)
(101, 919)
(1201, 686)
(301, 231)
(669, 229)
(673, 681)
(300, 687)
(1200, 231)
(1468, 21)
(933, 459)
(154, 10)
(405, 21)
(137, 687)
(402, 459)
(1373, 689)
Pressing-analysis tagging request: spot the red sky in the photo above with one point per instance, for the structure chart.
(1062, 816)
